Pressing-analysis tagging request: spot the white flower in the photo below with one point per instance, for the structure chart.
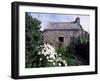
(53, 63)
(47, 57)
(59, 64)
(40, 58)
(51, 54)
(50, 60)
(59, 54)
(39, 53)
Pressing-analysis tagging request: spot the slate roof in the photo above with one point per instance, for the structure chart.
(63, 25)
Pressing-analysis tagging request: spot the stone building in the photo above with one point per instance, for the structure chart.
(61, 34)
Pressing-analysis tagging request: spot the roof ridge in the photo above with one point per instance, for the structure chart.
(59, 22)
(63, 25)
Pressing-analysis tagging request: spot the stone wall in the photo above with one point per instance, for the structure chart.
(52, 37)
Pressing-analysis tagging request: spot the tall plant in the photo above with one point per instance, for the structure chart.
(33, 40)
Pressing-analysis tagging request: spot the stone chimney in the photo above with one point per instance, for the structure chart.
(77, 20)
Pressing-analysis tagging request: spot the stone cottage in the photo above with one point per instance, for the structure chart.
(61, 34)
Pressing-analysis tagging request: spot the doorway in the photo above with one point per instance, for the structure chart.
(61, 42)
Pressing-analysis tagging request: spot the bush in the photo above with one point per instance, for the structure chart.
(66, 54)
(83, 50)
(33, 40)
(82, 47)
(71, 62)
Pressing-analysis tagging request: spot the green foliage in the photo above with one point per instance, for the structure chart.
(71, 62)
(81, 47)
(66, 54)
(83, 39)
(50, 64)
(33, 41)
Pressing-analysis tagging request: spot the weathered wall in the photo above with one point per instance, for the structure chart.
(51, 37)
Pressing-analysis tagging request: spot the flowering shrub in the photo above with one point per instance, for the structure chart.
(53, 59)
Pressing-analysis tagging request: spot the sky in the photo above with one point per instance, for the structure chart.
(52, 17)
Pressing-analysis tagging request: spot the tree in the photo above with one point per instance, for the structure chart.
(33, 40)
(82, 47)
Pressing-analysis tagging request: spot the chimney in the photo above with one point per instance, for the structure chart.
(77, 20)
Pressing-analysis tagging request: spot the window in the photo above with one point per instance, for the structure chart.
(61, 39)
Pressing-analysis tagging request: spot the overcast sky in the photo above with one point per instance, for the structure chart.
(48, 17)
